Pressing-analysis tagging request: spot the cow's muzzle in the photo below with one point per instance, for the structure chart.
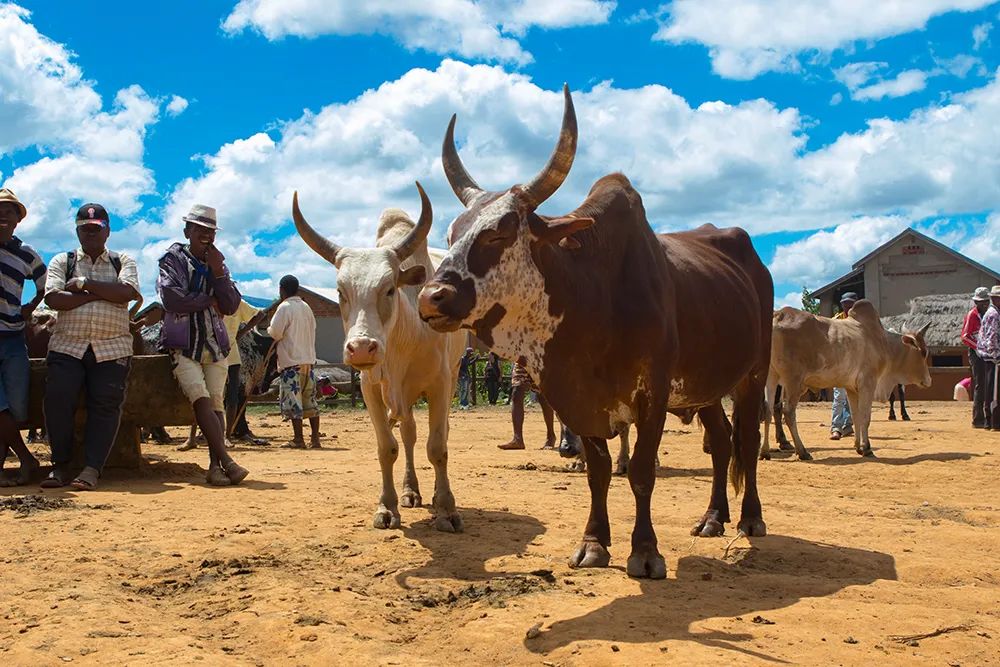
(435, 302)
(362, 352)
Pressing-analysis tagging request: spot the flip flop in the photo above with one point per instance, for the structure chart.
(291, 444)
(54, 480)
(511, 445)
(86, 480)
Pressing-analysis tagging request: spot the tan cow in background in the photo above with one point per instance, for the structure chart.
(813, 352)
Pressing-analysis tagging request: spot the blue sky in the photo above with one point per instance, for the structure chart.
(824, 127)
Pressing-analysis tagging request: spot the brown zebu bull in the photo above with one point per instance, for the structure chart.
(618, 325)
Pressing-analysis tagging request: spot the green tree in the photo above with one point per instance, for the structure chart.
(810, 304)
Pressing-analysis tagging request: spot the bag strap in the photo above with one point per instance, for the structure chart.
(116, 262)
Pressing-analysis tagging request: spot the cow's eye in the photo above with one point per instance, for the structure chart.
(390, 291)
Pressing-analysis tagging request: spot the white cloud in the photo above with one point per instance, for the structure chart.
(830, 253)
(748, 37)
(980, 35)
(468, 28)
(836, 99)
(177, 105)
(905, 83)
(87, 152)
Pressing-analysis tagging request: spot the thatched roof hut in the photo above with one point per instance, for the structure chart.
(945, 312)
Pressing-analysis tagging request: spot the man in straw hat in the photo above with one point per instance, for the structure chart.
(988, 349)
(91, 347)
(18, 262)
(970, 337)
(197, 291)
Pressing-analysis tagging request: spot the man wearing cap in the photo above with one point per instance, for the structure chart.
(970, 337)
(988, 349)
(18, 262)
(90, 348)
(841, 423)
(293, 329)
(197, 291)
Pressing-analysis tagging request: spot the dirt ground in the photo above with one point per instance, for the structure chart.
(286, 569)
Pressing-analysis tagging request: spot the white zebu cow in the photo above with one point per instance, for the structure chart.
(400, 357)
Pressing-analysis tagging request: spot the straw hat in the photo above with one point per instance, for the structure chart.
(7, 195)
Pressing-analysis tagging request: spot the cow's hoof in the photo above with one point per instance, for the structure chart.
(867, 453)
(385, 519)
(906, 417)
(785, 446)
(577, 466)
(448, 522)
(621, 468)
(410, 498)
(805, 456)
(646, 563)
(892, 417)
(765, 456)
(752, 527)
(709, 526)
(590, 554)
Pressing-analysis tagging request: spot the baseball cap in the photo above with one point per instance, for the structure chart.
(92, 214)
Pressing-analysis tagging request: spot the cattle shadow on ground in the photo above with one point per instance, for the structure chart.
(904, 461)
(488, 534)
(157, 476)
(777, 572)
(666, 472)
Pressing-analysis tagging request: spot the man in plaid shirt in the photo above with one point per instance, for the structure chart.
(91, 346)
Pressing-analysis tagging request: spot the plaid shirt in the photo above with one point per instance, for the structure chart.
(100, 324)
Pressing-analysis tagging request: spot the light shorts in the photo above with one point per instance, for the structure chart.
(298, 393)
(205, 379)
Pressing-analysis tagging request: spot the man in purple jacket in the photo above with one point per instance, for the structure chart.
(196, 291)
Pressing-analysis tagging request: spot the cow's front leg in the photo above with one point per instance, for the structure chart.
(645, 560)
(718, 439)
(593, 550)
(861, 408)
(445, 515)
(621, 467)
(902, 404)
(387, 514)
(411, 488)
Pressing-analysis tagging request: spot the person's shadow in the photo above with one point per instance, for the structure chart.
(488, 534)
(706, 588)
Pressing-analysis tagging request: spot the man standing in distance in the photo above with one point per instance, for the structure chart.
(970, 337)
(293, 329)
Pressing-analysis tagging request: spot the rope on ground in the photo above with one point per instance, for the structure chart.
(905, 639)
(739, 534)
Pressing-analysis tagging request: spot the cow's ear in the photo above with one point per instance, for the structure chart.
(415, 275)
(560, 230)
(911, 340)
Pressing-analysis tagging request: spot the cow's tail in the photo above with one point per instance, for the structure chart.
(737, 466)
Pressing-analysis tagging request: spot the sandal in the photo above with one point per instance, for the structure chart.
(86, 480)
(56, 479)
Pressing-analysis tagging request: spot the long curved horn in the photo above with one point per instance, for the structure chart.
(465, 188)
(324, 247)
(419, 232)
(923, 330)
(552, 176)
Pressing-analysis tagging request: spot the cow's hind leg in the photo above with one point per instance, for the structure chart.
(445, 514)
(718, 435)
(645, 560)
(746, 442)
(788, 406)
(861, 409)
(902, 404)
(593, 550)
(387, 514)
(892, 405)
(779, 432)
(772, 405)
(411, 488)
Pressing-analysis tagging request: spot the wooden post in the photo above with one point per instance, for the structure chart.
(472, 378)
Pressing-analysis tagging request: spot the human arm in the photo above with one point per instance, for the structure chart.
(969, 335)
(279, 323)
(120, 291)
(38, 275)
(57, 296)
(226, 293)
(172, 288)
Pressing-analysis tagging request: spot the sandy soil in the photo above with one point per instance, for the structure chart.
(287, 569)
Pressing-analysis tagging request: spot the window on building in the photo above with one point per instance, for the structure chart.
(947, 360)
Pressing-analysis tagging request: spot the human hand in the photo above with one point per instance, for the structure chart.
(75, 285)
(214, 258)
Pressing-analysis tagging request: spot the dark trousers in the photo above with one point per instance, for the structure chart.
(992, 416)
(492, 389)
(105, 384)
(980, 402)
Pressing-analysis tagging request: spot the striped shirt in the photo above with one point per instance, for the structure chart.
(101, 325)
(18, 262)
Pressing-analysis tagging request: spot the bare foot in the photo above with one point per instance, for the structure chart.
(550, 442)
(513, 444)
